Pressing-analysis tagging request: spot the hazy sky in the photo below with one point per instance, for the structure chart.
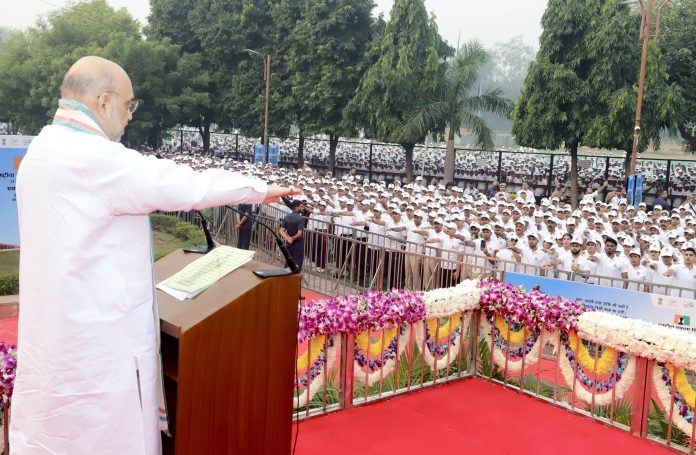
(489, 21)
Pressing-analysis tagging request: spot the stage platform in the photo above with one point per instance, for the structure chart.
(472, 416)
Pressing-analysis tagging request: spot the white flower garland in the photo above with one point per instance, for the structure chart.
(601, 398)
(513, 365)
(665, 396)
(359, 372)
(444, 302)
(453, 348)
(318, 382)
(639, 338)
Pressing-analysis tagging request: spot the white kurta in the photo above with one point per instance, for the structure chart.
(86, 290)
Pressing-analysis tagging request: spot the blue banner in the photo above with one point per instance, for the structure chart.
(259, 153)
(12, 150)
(273, 153)
(659, 309)
(631, 186)
(638, 194)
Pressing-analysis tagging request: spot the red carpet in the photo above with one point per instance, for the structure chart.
(468, 417)
(310, 296)
(8, 330)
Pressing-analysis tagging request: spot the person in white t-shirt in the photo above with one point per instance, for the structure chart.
(375, 242)
(637, 272)
(685, 274)
(592, 258)
(575, 263)
(450, 255)
(534, 255)
(510, 256)
(416, 232)
(664, 273)
(432, 247)
(611, 265)
(394, 257)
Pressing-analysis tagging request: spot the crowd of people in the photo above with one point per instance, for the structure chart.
(516, 166)
(605, 240)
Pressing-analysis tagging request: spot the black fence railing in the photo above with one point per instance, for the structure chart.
(542, 171)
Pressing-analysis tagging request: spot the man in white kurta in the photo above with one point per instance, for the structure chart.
(88, 377)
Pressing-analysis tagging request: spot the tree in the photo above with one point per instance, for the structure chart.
(197, 93)
(326, 45)
(555, 98)
(678, 45)
(581, 86)
(225, 28)
(408, 71)
(457, 104)
(615, 52)
(34, 62)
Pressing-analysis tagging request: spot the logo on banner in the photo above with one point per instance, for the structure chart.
(16, 160)
(680, 319)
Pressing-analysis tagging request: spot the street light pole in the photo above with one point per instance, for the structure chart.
(267, 78)
(645, 35)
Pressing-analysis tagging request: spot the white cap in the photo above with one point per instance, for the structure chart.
(666, 251)
(635, 251)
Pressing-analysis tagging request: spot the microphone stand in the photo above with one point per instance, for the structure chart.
(210, 245)
(290, 266)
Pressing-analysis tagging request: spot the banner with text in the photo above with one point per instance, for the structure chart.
(659, 309)
(12, 150)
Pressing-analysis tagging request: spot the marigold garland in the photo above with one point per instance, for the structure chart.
(619, 380)
(605, 362)
(511, 356)
(383, 353)
(311, 376)
(437, 351)
(513, 336)
(683, 410)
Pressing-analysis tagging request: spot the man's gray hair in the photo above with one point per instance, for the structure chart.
(80, 85)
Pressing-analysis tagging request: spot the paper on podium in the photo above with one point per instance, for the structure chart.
(203, 272)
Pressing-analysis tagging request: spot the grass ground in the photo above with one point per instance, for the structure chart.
(9, 261)
(164, 244)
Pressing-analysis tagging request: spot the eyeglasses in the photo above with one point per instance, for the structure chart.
(132, 103)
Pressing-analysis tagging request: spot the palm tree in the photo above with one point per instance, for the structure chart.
(458, 103)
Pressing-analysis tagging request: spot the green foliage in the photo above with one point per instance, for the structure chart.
(458, 102)
(408, 71)
(32, 65)
(225, 28)
(658, 425)
(188, 233)
(9, 283)
(485, 362)
(581, 86)
(678, 46)
(195, 101)
(325, 42)
(623, 410)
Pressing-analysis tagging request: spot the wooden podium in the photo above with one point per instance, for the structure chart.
(228, 358)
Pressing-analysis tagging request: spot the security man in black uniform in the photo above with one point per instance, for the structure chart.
(292, 231)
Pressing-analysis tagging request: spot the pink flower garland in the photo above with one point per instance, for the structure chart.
(8, 368)
(531, 308)
(374, 310)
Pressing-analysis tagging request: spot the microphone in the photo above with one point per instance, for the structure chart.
(290, 266)
(210, 246)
